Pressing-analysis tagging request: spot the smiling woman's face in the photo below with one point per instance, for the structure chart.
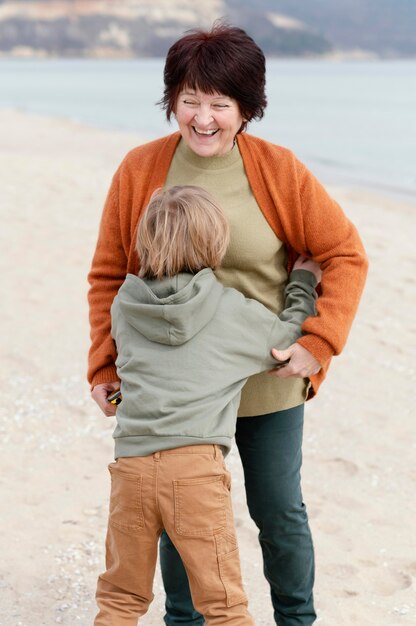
(208, 122)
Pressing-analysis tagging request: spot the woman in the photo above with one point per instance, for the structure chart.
(214, 86)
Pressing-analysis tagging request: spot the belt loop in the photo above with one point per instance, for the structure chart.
(215, 451)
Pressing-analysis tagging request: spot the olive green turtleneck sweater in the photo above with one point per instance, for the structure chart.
(255, 262)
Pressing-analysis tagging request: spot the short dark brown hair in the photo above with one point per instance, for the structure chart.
(224, 60)
(183, 229)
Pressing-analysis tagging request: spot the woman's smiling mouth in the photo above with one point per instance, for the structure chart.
(205, 133)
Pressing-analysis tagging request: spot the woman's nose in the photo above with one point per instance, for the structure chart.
(203, 116)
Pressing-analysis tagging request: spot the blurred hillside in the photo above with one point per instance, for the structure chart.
(384, 27)
(130, 28)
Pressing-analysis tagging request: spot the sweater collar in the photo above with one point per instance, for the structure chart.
(208, 163)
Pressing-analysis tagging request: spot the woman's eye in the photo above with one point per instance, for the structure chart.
(190, 102)
(221, 106)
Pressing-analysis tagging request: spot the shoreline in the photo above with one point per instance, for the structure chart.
(330, 174)
(334, 56)
(359, 439)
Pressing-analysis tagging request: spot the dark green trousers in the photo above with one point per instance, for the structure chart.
(270, 448)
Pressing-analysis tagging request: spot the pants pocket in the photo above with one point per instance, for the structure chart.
(230, 574)
(126, 512)
(200, 507)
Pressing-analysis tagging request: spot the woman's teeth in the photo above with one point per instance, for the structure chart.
(205, 132)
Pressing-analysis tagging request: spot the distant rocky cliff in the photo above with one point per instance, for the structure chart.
(130, 28)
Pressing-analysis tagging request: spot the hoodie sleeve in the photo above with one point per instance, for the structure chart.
(264, 330)
(300, 296)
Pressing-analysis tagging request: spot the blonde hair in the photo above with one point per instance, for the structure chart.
(182, 230)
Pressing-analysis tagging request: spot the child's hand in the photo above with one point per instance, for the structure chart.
(302, 364)
(303, 263)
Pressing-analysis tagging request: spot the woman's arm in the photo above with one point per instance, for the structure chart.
(142, 170)
(108, 270)
(333, 242)
(309, 221)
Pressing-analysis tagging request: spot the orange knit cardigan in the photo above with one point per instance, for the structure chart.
(297, 208)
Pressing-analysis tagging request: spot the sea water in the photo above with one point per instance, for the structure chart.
(350, 122)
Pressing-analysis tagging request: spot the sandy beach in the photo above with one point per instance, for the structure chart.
(359, 475)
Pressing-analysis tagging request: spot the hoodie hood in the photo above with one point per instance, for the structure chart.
(169, 311)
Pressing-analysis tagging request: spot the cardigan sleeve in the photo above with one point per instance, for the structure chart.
(332, 240)
(108, 270)
(310, 222)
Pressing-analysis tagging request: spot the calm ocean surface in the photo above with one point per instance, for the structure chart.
(350, 122)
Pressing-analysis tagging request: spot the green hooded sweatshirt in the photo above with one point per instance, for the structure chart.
(186, 345)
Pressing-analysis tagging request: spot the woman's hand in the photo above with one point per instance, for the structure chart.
(100, 394)
(302, 363)
(303, 263)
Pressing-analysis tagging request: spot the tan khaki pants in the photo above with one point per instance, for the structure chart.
(185, 491)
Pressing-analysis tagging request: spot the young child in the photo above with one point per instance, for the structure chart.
(186, 345)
